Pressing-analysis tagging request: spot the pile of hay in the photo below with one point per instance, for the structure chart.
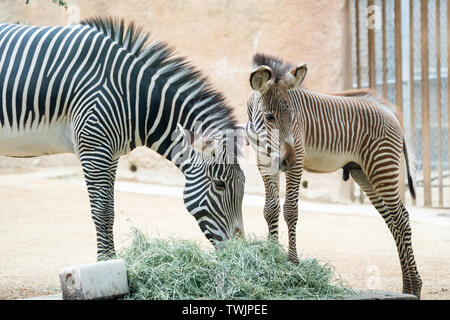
(241, 269)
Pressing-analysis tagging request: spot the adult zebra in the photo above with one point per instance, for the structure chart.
(99, 90)
(294, 129)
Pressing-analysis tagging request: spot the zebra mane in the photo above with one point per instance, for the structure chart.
(159, 55)
(369, 95)
(278, 66)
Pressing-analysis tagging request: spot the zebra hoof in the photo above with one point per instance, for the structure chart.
(411, 292)
(106, 256)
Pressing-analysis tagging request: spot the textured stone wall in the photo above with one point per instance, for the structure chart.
(221, 36)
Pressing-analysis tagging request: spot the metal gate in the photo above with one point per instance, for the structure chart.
(400, 48)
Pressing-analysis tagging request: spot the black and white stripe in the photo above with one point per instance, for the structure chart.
(354, 130)
(99, 90)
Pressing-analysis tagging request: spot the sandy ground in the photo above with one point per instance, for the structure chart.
(45, 225)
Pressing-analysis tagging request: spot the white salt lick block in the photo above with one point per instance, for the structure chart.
(100, 280)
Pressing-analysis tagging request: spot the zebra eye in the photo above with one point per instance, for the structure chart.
(269, 117)
(219, 184)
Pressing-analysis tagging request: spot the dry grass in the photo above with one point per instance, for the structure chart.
(241, 269)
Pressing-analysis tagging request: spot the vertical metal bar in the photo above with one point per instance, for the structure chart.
(426, 162)
(412, 89)
(348, 81)
(398, 58)
(361, 194)
(439, 102)
(399, 80)
(371, 47)
(358, 45)
(346, 189)
(448, 78)
(385, 87)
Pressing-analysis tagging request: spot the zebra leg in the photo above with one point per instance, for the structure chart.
(398, 223)
(272, 201)
(99, 172)
(415, 282)
(412, 282)
(290, 209)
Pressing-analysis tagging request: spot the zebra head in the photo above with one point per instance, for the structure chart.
(271, 80)
(214, 186)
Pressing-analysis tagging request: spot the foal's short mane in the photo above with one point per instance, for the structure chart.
(158, 55)
(278, 66)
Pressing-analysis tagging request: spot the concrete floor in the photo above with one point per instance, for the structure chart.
(45, 225)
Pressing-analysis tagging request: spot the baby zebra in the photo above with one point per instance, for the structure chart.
(294, 129)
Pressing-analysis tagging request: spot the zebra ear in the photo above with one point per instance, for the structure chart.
(197, 142)
(295, 77)
(260, 77)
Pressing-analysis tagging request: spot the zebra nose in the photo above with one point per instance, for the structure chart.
(285, 165)
(268, 151)
(288, 159)
(238, 232)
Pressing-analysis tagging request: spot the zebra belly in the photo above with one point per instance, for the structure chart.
(43, 140)
(323, 161)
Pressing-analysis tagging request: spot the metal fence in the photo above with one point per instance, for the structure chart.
(400, 48)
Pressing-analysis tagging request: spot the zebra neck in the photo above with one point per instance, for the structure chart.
(309, 103)
(164, 106)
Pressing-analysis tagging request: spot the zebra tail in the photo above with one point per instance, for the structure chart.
(410, 179)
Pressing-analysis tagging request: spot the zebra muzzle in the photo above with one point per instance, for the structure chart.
(288, 159)
(238, 232)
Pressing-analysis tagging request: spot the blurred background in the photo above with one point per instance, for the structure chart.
(399, 48)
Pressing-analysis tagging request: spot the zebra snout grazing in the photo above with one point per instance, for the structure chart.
(239, 232)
